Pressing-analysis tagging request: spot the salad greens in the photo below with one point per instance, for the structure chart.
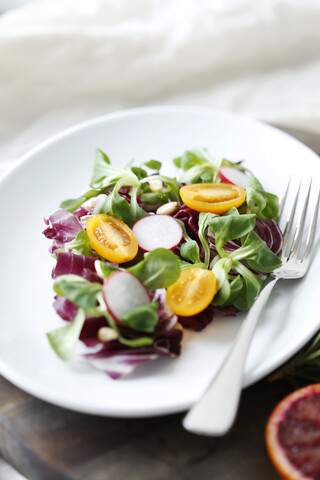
(200, 167)
(64, 339)
(265, 205)
(80, 244)
(160, 269)
(239, 246)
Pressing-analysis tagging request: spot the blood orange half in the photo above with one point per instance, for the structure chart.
(293, 435)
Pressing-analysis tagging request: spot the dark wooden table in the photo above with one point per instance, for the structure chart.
(44, 442)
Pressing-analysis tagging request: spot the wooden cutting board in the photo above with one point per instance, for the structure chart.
(44, 442)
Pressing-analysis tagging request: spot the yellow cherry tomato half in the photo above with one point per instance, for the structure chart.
(212, 197)
(192, 292)
(111, 238)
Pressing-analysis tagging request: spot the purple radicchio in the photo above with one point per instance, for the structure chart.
(67, 311)
(117, 360)
(70, 263)
(63, 227)
(201, 320)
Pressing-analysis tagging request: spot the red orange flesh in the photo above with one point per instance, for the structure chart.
(293, 435)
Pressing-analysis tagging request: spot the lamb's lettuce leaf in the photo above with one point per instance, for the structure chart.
(265, 205)
(153, 165)
(171, 184)
(159, 269)
(143, 318)
(189, 250)
(242, 290)
(79, 291)
(200, 167)
(256, 253)
(204, 221)
(104, 174)
(81, 244)
(64, 339)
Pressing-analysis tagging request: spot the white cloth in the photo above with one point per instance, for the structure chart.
(63, 61)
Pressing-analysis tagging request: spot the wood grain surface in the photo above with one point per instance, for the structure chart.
(44, 442)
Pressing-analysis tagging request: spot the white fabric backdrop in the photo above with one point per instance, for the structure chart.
(63, 61)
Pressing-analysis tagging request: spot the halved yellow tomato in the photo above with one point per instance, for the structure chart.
(193, 291)
(111, 238)
(212, 197)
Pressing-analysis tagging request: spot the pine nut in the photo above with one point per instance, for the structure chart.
(168, 208)
(107, 334)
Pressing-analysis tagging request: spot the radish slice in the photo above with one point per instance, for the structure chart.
(123, 291)
(232, 175)
(157, 231)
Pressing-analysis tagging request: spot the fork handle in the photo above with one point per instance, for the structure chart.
(216, 410)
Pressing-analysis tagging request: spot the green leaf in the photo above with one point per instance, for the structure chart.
(191, 158)
(153, 164)
(160, 269)
(257, 254)
(106, 268)
(78, 290)
(271, 209)
(230, 227)
(172, 186)
(116, 206)
(73, 203)
(265, 205)
(199, 166)
(155, 199)
(177, 162)
(139, 172)
(236, 286)
(81, 244)
(105, 174)
(136, 211)
(184, 265)
(137, 342)
(100, 167)
(250, 289)
(101, 156)
(221, 270)
(203, 222)
(63, 340)
(143, 318)
(225, 298)
(189, 250)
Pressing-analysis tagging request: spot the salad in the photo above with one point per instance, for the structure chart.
(141, 256)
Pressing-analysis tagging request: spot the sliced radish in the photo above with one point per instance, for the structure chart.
(232, 175)
(157, 231)
(123, 291)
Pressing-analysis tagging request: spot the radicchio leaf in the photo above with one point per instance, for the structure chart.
(70, 263)
(117, 360)
(63, 227)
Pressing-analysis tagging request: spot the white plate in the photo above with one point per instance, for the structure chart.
(61, 168)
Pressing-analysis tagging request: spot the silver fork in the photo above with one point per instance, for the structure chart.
(215, 412)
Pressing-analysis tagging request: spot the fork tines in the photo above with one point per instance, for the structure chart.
(303, 210)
